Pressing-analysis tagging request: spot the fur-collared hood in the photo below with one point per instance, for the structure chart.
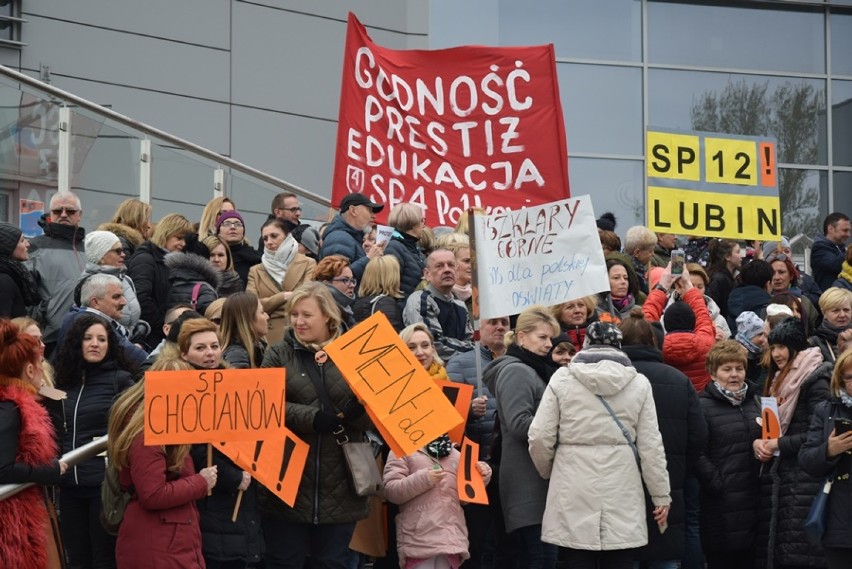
(132, 236)
(604, 370)
(190, 267)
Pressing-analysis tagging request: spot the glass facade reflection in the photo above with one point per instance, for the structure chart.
(740, 67)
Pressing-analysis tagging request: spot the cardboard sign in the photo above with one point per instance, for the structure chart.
(470, 484)
(403, 401)
(206, 406)
(770, 425)
(449, 129)
(716, 185)
(460, 395)
(547, 254)
(277, 463)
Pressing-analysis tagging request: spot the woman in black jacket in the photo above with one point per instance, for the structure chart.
(192, 280)
(407, 221)
(681, 426)
(827, 452)
(150, 274)
(18, 288)
(725, 261)
(727, 468)
(91, 368)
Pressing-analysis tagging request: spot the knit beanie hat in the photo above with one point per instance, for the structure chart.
(749, 325)
(98, 244)
(603, 334)
(679, 317)
(773, 309)
(308, 237)
(771, 247)
(9, 237)
(789, 333)
(226, 216)
(606, 222)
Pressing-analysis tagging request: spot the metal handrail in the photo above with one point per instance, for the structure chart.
(72, 458)
(162, 135)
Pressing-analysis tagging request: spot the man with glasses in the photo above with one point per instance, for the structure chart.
(57, 259)
(286, 207)
(829, 249)
(345, 234)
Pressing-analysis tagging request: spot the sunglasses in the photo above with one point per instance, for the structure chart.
(69, 210)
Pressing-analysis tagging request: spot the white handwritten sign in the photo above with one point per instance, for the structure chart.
(545, 254)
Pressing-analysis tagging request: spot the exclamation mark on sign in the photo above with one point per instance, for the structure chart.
(289, 447)
(767, 165)
(468, 459)
(257, 448)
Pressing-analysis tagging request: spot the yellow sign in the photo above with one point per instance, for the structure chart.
(405, 404)
(712, 185)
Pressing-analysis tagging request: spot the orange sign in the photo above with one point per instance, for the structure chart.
(277, 463)
(770, 425)
(205, 406)
(460, 395)
(403, 401)
(470, 484)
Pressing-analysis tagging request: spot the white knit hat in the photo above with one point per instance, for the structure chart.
(98, 244)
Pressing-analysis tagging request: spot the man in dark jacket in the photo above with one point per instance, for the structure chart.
(752, 294)
(829, 249)
(57, 259)
(286, 207)
(683, 430)
(345, 234)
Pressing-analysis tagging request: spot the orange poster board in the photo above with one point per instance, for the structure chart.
(460, 395)
(206, 406)
(277, 463)
(470, 484)
(403, 401)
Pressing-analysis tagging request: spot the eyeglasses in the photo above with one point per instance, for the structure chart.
(346, 280)
(69, 210)
(846, 378)
(291, 209)
(777, 257)
(235, 224)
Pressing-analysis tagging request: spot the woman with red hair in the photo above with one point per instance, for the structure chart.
(27, 452)
(785, 280)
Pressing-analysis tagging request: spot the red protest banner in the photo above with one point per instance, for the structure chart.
(449, 129)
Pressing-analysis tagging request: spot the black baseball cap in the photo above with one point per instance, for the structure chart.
(359, 199)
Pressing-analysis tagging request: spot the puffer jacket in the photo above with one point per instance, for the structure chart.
(56, 260)
(340, 238)
(684, 433)
(787, 491)
(406, 249)
(728, 472)
(686, 351)
(132, 312)
(518, 391)
(151, 277)
(365, 306)
(719, 321)
(431, 520)
(813, 459)
(462, 368)
(83, 415)
(826, 260)
(325, 495)
(596, 500)
(237, 355)
(185, 271)
(747, 298)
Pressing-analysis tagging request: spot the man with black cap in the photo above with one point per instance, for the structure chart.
(345, 234)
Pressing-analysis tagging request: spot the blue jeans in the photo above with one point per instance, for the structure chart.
(287, 544)
(693, 556)
(539, 555)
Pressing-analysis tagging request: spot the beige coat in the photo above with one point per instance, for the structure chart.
(273, 296)
(595, 499)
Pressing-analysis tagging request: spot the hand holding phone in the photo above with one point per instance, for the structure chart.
(678, 261)
(842, 426)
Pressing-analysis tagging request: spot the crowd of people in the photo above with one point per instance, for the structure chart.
(617, 429)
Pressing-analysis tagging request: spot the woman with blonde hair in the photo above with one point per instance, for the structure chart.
(832, 335)
(379, 291)
(575, 316)
(161, 526)
(518, 380)
(282, 268)
(404, 244)
(319, 403)
(131, 223)
(243, 328)
(419, 340)
(214, 208)
(147, 268)
(219, 255)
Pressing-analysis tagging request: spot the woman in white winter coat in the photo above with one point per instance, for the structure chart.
(595, 502)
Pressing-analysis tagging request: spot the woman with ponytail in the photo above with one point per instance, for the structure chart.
(27, 452)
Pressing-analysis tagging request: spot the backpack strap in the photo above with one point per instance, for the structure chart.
(375, 302)
(196, 289)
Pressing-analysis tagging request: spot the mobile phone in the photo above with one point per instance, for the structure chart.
(842, 425)
(678, 259)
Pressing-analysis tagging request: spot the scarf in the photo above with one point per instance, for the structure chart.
(276, 262)
(640, 269)
(23, 278)
(748, 344)
(735, 397)
(543, 366)
(438, 372)
(845, 272)
(440, 447)
(845, 398)
(462, 292)
(621, 303)
(788, 392)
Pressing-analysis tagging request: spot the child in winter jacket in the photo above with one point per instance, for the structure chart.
(430, 528)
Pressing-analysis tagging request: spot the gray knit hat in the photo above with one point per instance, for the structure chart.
(603, 334)
(749, 325)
